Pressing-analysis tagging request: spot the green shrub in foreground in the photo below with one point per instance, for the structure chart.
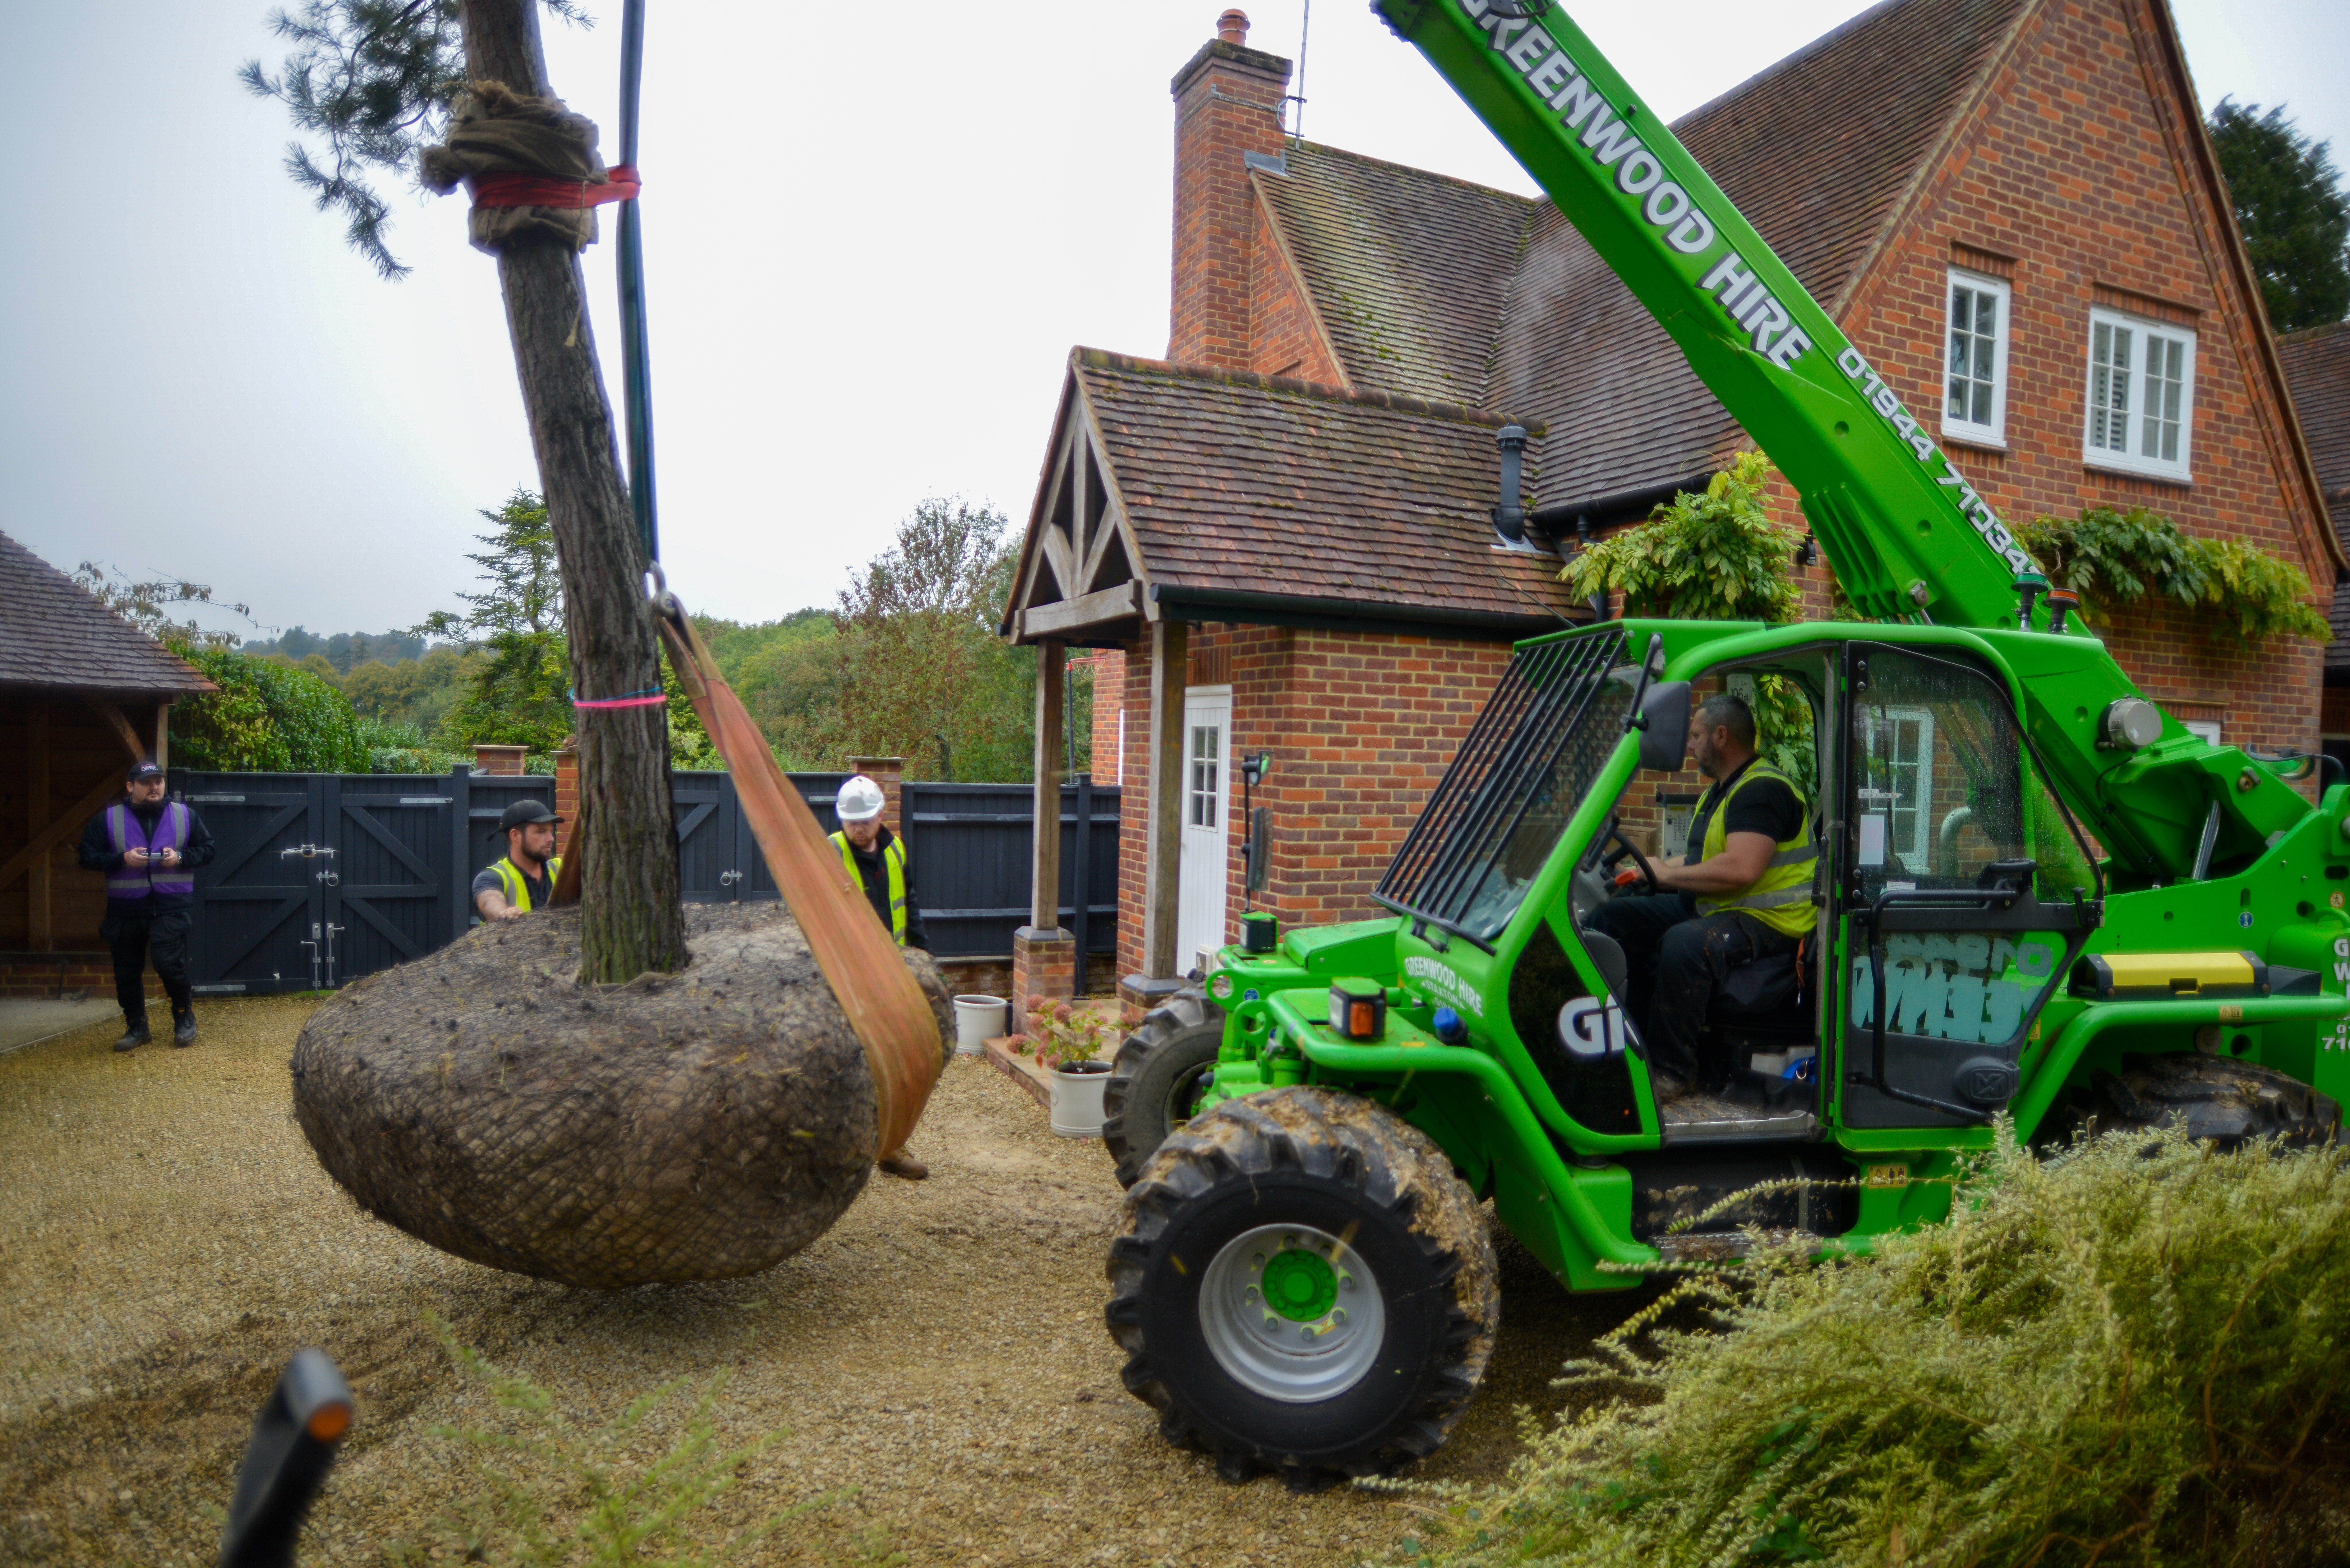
(2134, 1352)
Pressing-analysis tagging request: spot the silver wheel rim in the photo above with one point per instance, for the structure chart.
(1281, 1356)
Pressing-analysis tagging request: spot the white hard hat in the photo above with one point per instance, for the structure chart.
(860, 800)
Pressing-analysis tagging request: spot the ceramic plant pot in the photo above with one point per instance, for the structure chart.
(1078, 1098)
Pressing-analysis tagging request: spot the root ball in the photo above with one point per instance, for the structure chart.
(694, 1126)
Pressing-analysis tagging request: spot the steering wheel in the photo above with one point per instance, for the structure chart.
(1592, 884)
(1610, 859)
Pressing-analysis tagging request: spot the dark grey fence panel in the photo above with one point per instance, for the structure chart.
(969, 846)
(263, 901)
(321, 878)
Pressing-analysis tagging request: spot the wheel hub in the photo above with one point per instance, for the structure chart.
(1292, 1313)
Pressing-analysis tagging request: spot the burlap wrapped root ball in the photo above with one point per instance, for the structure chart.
(695, 1125)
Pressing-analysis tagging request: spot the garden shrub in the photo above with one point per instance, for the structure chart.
(266, 717)
(2130, 1352)
(2116, 560)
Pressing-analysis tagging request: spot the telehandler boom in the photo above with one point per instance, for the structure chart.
(2036, 898)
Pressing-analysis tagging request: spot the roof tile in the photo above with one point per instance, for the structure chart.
(59, 635)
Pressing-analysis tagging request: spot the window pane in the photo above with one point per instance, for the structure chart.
(1974, 354)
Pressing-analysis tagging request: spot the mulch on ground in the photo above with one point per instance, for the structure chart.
(939, 1356)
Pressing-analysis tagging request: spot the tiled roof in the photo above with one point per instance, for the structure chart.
(1260, 488)
(53, 633)
(2317, 367)
(1408, 269)
(1865, 105)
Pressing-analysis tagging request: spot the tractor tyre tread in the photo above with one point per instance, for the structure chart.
(1172, 1038)
(2213, 1097)
(1387, 1169)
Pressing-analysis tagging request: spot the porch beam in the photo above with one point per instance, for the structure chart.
(38, 927)
(1045, 865)
(123, 729)
(62, 827)
(163, 751)
(1070, 615)
(1162, 876)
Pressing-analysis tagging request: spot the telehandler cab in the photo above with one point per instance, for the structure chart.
(2037, 896)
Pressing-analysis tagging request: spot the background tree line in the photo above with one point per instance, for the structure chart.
(905, 663)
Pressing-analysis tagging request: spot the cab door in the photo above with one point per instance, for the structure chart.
(1963, 891)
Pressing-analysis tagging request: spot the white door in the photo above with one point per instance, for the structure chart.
(1206, 861)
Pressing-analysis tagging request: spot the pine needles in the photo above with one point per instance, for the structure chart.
(2130, 1353)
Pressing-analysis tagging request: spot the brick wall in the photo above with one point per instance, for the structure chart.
(1360, 727)
(1286, 338)
(1107, 669)
(1227, 102)
(2070, 182)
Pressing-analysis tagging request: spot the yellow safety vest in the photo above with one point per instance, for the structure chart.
(517, 889)
(893, 855)
(1781, 896)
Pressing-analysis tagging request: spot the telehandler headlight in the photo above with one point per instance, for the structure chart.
(2129, 722)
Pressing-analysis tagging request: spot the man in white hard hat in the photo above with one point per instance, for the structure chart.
(876, 861)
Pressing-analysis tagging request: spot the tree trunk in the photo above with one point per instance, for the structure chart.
(634, 919)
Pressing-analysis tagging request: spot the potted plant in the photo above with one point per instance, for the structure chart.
(1069, 1039)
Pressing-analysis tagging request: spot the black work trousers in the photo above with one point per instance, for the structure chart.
(135, 939)
(1675, 960)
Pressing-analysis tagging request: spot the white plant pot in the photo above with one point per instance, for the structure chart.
(1077, 1099)
(978, 1018)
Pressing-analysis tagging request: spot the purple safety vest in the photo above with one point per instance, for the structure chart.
(123, 833)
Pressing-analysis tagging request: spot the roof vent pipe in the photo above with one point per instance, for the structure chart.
(1233, 27)
(1509, 516)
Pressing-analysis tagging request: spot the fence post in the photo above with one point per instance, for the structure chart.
(1080, 868)
(461, 838)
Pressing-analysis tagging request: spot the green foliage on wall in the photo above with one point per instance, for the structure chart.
(2131, 560)
(1715, 555)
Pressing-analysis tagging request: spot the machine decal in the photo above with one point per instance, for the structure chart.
(1447, 986)
(1591, 1027)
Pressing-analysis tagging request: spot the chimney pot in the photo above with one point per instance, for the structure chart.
(1233, 27)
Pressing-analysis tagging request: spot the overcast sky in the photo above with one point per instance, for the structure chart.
(872, 233)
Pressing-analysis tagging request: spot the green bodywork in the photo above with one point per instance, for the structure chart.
(1916, 549)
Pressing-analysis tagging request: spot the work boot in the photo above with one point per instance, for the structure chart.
(133, 1037)
(904, 1166)
(183, 1029)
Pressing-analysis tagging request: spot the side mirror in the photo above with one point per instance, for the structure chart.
(1664, 726)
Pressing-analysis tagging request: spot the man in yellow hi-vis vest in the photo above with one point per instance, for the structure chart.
(1742, 892)
(523, 880)
(876, 861)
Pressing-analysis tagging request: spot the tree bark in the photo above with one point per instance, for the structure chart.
(633, 915)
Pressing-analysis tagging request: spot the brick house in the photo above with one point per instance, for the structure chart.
(2026, 183)
(83, 694)
(2317, 363)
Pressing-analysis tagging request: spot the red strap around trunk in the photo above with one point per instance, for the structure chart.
(540, 191)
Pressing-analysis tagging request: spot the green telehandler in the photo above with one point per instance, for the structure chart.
(2037, 896)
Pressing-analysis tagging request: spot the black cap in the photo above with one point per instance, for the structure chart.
(142, 769)
(523, 812)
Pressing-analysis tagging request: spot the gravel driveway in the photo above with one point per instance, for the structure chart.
(168, 1240)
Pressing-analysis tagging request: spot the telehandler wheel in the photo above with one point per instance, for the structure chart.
(1157, 1079)
(2211, 1096)
(1301, 1284)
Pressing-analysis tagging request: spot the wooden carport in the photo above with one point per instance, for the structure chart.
(83, 694)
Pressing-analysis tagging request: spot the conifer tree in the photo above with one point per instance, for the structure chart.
(372, 83)
(2295, 216)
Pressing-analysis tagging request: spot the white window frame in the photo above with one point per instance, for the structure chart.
(2003, 351)
(2205, 730)
(2141, 388)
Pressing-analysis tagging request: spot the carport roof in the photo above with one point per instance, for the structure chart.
(58, 636)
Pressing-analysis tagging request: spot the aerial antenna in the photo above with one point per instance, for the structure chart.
(1305, 27)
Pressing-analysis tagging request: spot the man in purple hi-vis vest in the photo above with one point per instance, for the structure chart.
(149, 848)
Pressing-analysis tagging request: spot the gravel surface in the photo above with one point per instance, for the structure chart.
(169, 1239)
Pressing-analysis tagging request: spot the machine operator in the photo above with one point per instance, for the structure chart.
(1742, 893)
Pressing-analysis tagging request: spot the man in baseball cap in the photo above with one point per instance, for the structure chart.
(511, 888)
(149, 849)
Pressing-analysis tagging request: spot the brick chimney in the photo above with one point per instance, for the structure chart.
(1227, 106)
